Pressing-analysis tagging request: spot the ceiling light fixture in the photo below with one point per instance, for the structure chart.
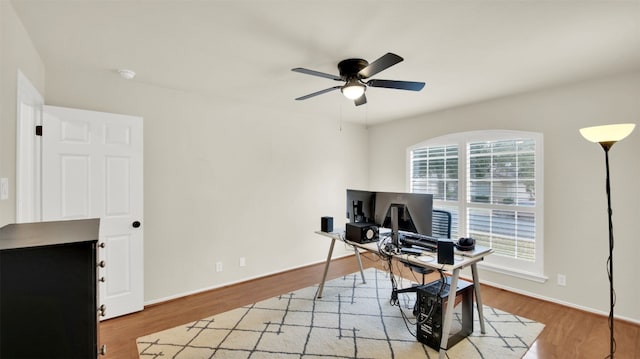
(126, 74)
(353, 89)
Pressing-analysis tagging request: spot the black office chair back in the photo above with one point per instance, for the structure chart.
(441, 224)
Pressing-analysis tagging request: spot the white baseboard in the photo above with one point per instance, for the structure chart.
(201, 290)
(554, 300)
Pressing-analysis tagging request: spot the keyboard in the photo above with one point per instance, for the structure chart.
(419, 237)
(417, 240)
(411, 251)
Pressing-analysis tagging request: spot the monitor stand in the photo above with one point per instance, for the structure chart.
(394, 228)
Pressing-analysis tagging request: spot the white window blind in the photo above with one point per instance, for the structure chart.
(502, 174)
(435, 170)
(489, 181)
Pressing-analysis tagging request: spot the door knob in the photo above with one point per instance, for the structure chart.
(136, 224)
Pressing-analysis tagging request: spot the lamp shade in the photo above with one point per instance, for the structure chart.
(607, 133)
(353, 90)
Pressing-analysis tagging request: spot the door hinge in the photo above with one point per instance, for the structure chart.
(39, 130)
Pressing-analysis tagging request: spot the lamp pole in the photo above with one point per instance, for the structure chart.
(606, 146)
(607, 136)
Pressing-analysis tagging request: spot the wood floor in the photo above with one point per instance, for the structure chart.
(568, 333)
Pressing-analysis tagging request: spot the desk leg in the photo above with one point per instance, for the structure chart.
(448, 316)
(326, 268)
(476, 286)
(355, 249)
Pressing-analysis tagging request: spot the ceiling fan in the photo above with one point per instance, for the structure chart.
(354, 72)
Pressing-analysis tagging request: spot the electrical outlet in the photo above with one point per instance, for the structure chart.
(218, 266)
(562, 280)
(243, 261)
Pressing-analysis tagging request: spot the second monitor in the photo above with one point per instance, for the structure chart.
(360, 206)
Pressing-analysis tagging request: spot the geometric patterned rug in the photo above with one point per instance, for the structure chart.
(352, 320)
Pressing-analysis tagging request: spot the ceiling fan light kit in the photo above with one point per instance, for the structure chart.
(354, 71)
(353, 89)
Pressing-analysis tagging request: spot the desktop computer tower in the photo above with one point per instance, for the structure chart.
(431, 306)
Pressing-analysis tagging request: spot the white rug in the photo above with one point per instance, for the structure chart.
(352, 320)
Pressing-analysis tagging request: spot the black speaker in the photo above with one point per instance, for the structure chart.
(362, 232)
(445, 251)
(326, 224)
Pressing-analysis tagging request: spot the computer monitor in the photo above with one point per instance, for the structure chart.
(414, 212)
(360, 206)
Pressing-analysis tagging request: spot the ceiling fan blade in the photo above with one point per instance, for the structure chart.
(316, 73)
(360, 100)
(400, 85)
(387, 60)
(318, 93)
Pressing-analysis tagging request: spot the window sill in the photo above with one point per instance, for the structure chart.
(535, 277)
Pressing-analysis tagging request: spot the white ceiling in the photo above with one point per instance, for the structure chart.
(466, 51)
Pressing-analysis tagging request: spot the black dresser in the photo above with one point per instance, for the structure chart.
(48, 290)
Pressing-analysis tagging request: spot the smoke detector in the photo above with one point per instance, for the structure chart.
(126, 74)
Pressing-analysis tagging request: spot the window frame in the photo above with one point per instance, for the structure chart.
(502, 264)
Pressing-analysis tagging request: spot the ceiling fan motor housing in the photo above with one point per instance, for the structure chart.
(349, 68)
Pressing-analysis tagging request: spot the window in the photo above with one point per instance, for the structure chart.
(491, 182)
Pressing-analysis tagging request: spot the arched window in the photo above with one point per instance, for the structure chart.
(491, 182)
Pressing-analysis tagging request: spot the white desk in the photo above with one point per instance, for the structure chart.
(462, 260)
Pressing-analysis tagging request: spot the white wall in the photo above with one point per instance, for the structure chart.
(225, 179)
(16, 52)
(575, 220)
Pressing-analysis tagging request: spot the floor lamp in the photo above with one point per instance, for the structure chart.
(606, 136)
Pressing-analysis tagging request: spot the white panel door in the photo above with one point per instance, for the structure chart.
(92, 168)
